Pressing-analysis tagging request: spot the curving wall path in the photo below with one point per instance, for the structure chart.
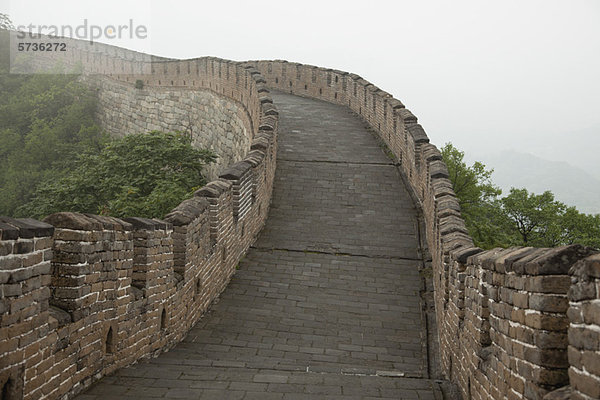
(83, 295)
(319, 307)
(514, 323)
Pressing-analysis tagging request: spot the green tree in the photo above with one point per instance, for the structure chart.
(542, 221)
(144, 175)
(476, 194)
(472, 184)
(519, 219)
(536, 218)
(580, 228)
(45, 120)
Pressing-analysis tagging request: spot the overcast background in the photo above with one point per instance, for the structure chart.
(514, 83)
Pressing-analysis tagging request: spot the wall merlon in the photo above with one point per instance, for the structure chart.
(438, 170)
(447, 202)
(442, 187)
(266, 99)
(236, 171)
(416, 130)
(75, 221)
(214, 189)
(451, 224)
(395, 104)
(25, 228)
(268, 123)
(462, 254)
(453, 241)
(587, 268)
(255, 157)
(261, 142)
(556, 261)
(111, 223)
(8, 232)
(431, 152)
(384, 96)
(269, 109)
(187, 211)
(406, 115)
(148, 224)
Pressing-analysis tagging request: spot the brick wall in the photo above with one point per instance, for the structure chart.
(584, 329)
(83, 295)
(25, 274)
(512, 323)
(502, 317)
(213, 121)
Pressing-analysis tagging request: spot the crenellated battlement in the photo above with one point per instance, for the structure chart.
(83, 295)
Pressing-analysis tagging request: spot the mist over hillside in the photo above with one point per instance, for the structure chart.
(579, 148)
(570, 184)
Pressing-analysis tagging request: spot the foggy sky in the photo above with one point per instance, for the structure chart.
(485, 75)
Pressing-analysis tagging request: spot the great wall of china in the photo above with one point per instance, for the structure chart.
(85, 295)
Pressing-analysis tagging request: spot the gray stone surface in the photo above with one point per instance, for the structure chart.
(214, 122)
(326, 305)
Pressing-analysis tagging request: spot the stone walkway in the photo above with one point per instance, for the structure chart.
(326, 304)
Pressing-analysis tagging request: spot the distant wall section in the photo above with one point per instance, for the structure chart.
(213, 121)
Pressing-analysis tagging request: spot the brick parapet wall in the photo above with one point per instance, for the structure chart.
(219, 103)
(83, 295)
(212, 121)
(584, 329)
(501, 314)
(25, 251)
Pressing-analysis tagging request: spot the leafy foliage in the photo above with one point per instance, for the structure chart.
(477, 195)
(54, 157)
(45, 121)
(534, 217)
(520, 218)
(144, 175)
(472, 184)
(542, 221)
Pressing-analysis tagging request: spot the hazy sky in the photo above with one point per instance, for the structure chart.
(486, 75)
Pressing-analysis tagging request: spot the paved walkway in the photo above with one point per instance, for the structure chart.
(326, 305)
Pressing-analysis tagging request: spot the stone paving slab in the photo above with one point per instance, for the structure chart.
(260, 384)
(326, 305)
(309, 309)
(313, 130)
(357, 209)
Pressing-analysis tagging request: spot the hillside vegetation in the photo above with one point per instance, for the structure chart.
(569, 184)
(54, 157)
(520, 218)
